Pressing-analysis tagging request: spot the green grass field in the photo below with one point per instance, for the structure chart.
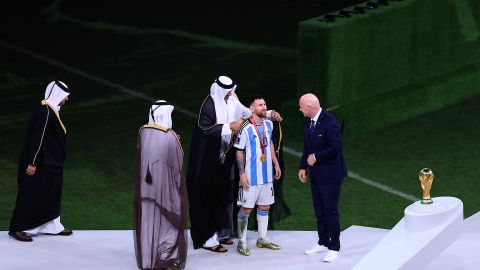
(179, 66)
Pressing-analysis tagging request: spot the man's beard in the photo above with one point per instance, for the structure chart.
(262, 114)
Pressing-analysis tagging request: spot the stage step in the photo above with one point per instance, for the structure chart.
(111, 249)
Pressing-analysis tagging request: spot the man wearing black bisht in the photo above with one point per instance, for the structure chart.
(40, 170)
(160, 194)
(209, 166)
(210, 177)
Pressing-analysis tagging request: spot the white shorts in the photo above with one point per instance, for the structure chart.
(256, 195)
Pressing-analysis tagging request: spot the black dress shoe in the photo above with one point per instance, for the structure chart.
(21, 236)
(65, 232)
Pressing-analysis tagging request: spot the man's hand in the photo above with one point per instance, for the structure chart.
(31, 170)
(276, 116)
(311, 159)
(302, 175)
(278, 172)
(236, 125)
(244, 181)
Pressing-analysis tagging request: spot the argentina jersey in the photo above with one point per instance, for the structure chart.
(258, 172)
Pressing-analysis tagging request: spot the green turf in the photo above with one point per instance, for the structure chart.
(445, 141)
(392, 63)
(102, 125)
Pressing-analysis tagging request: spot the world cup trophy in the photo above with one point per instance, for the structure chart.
(426, 178)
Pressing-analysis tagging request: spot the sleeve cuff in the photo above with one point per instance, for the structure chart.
(269, 114)
(226, 130)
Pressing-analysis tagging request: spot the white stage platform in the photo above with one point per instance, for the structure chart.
(114, 250)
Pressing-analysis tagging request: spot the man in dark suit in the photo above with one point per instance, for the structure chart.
(323, 161)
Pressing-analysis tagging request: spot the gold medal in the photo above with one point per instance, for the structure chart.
(263, 158)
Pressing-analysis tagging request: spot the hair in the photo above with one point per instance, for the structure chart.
(254, 97)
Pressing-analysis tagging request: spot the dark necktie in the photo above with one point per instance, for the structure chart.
(312, 126)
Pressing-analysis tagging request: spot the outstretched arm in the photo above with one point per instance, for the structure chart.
(274, 116)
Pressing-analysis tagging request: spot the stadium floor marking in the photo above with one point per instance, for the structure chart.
(183, 111)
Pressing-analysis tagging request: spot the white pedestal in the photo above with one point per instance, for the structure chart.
(419, 237)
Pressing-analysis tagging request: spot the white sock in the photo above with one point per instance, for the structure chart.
(262, 219)
(242, 224)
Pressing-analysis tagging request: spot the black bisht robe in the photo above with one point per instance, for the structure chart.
(209, 189)
(279, 210)
(39, 196)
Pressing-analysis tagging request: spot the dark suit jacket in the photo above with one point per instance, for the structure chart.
(326, 142)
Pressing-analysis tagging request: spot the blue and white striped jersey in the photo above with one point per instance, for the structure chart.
(258, 172)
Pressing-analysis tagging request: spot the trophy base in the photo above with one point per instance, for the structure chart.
(428, 208)
(424, 233)
(426, 201)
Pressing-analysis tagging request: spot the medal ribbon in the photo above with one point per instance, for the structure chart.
(263, 140)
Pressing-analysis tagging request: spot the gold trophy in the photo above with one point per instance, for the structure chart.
(426, 178)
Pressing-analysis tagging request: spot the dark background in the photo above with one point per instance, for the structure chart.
(269, 22)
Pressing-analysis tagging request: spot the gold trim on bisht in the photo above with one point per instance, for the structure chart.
(45, 102)
(178, 140)
(41, 140)
(164, 129)
(156, 126)
(200, 112)
(277, 151)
